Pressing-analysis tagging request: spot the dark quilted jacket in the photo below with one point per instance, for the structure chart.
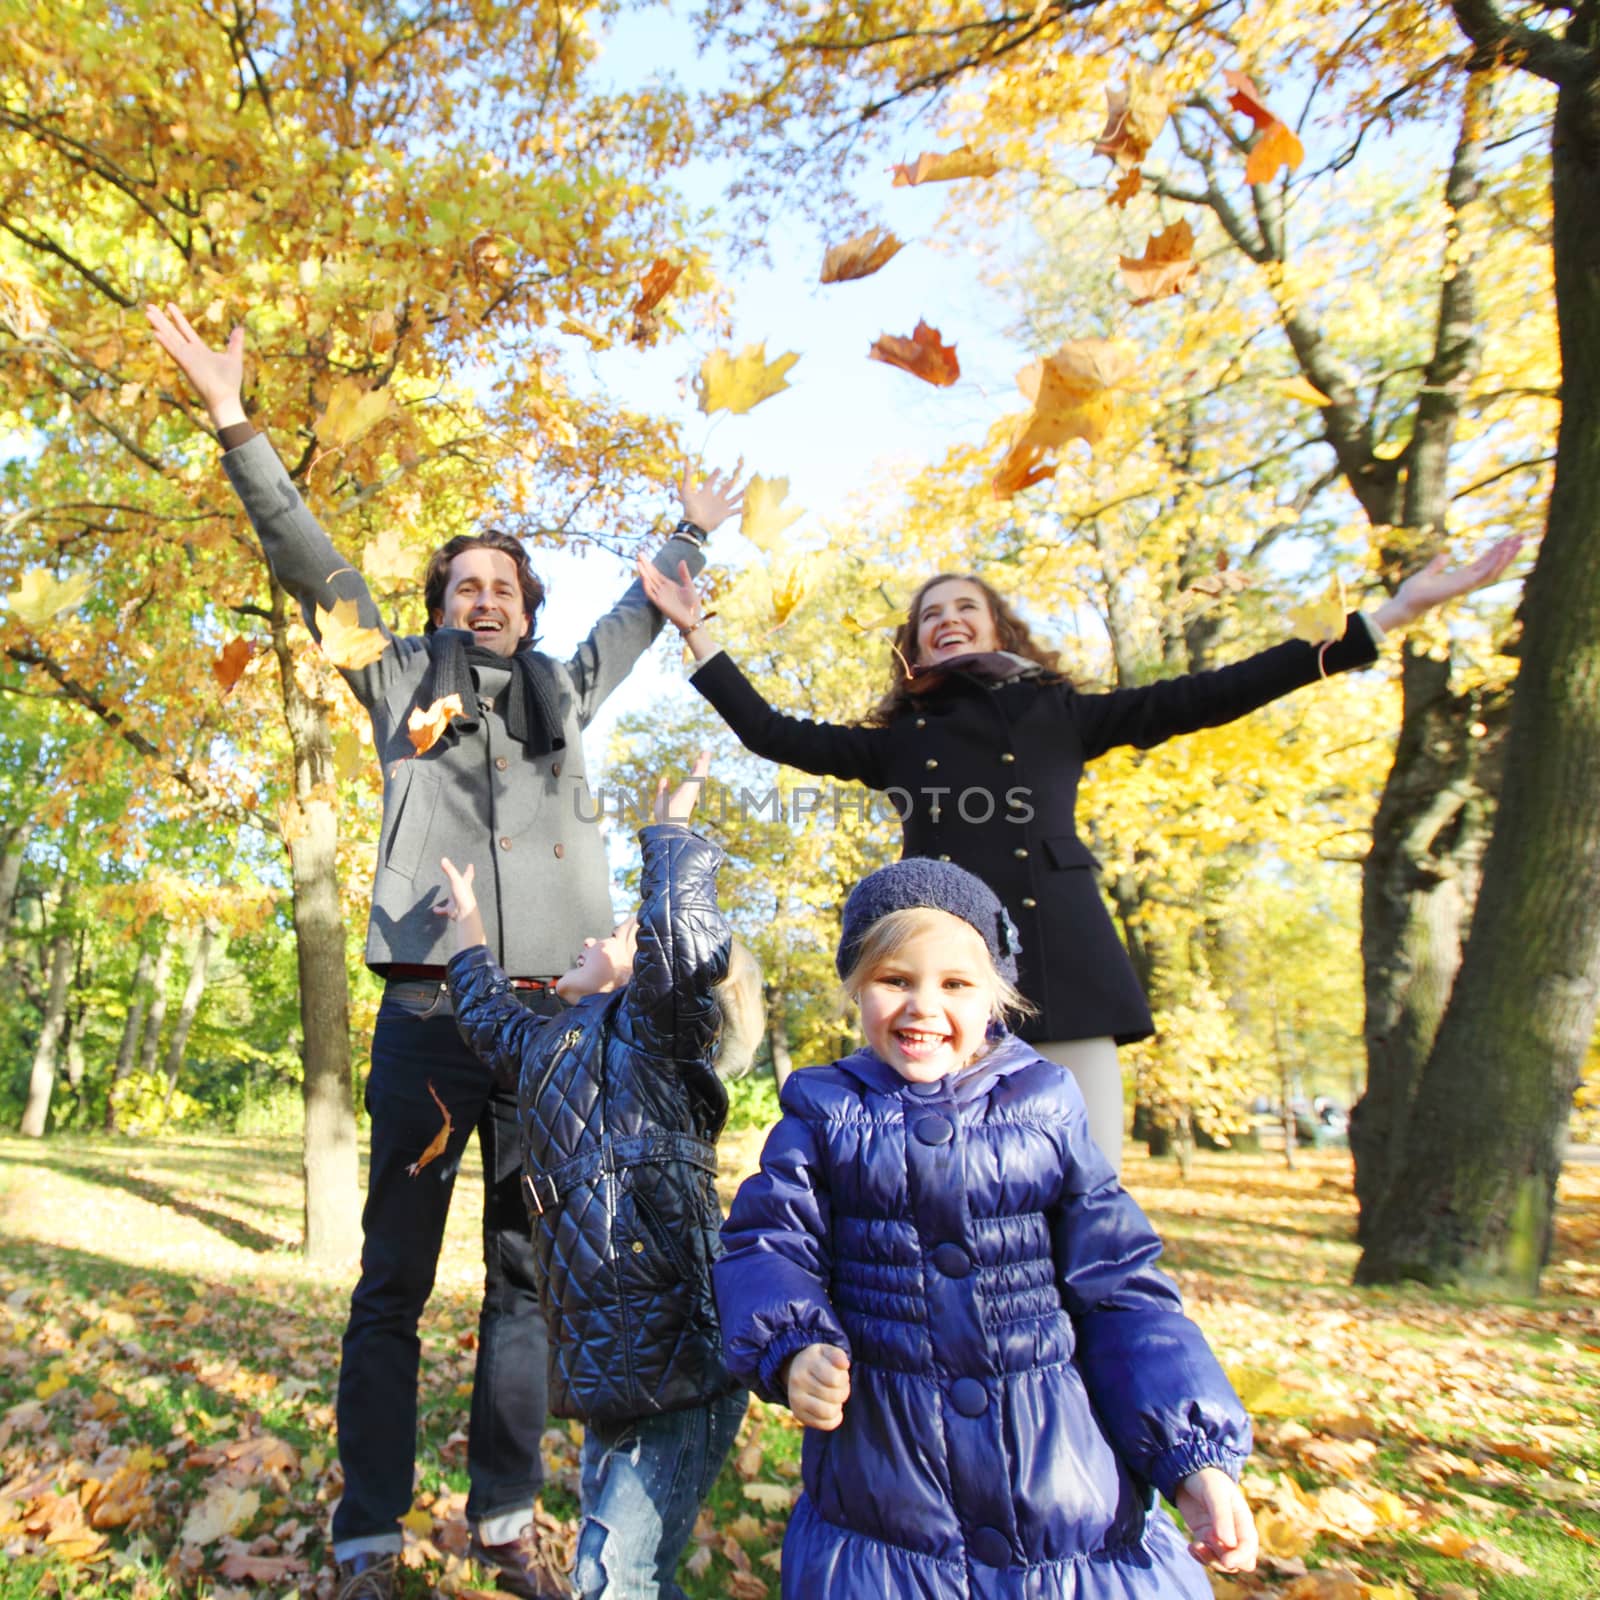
(620, 1107)
(1020, 1372)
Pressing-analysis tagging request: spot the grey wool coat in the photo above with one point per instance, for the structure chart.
(477, 796)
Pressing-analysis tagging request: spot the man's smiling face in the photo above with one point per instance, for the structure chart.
(483, 596)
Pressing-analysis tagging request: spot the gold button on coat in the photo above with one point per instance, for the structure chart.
(930, 763)
(1020, 853)
(1007, 757)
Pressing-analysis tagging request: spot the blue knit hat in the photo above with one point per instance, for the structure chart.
(920, 883)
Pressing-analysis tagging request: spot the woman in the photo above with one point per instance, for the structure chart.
(980, 744)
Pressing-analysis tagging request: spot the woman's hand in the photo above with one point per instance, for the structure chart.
(216, 376)
(819, 1385)
(678, 602)
(1436, 583)
(460, 905)
(679, 805)
(1222, 1532)
(709, 503)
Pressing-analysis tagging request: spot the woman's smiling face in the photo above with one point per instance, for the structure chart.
(954, 620)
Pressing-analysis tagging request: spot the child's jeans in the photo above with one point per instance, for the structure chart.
(643, 1483)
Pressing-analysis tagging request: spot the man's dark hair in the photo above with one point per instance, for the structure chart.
(437, 577)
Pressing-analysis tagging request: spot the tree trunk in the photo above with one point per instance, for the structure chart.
(41, 1081)
(1473, 1195)
(156, 1015)
(190, 1004)
(1418, 888)
(778, 1037)
(132, 1027)
(332, 1194)
(15, 843)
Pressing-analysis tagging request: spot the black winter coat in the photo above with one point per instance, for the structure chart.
(620, 1106)
(986, 775)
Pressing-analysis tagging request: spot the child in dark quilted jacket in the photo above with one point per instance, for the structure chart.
(936, 1269)
(620, 1103)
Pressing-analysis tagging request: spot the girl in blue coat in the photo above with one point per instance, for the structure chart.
(937, 1270)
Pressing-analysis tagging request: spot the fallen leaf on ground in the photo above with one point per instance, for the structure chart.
(442, 1138)
(861, 256)
(225, 1509)
(924, 355)
(941, 166)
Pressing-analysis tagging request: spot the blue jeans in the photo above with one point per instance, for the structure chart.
(416, 1044)
(643, 1483)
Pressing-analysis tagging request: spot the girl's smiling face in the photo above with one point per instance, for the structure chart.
(925, 1010)
(954, 620)
(603, 964)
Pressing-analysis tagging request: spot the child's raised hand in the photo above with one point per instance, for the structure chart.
(1222, 1532)
(819, 1385)
(679, 805)
(460, 905)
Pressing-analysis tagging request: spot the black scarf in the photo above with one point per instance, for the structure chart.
(532, 715)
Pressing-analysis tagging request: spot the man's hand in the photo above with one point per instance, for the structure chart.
(217, 376)
(711, 502)
(679, 805)
(819, 1385)
(1222, 1533)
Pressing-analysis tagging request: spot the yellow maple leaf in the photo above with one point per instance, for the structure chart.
(53, 1382)
(791, 583)
(344, 641)
(1299, 388)
(739, 383)
(941, 166)
(1072, 391)
(1134, 116)
(349, 754)
(351, 411)
(42, 596)
(385, 557)
(224, 1510)
(1322, 620)
(765, 515)
(1166, 267)
(425, 728)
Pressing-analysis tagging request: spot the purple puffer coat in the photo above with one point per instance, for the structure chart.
(1021, 1375)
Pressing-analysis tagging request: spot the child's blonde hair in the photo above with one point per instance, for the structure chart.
(889, 935)
(744, 1012)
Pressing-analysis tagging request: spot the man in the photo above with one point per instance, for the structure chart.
(503, 788)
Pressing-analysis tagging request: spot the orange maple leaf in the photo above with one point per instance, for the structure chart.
(1166, 266)
(924, 355)
(657, 283)
(235, 657)
(1071, 390)
(860, 257)
(440, 1139)
(1128, 185)
(425, 728)
(1277, 147)
(941, 166)
(1246, 98)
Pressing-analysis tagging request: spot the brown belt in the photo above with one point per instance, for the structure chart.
(405, 970)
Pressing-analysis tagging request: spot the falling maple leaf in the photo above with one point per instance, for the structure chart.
(1276, 145)
(942, 166)
(1321, 621)
(739, 383)
(387, 558)
(765, 515)
(653, 287)
(1071, 391)
(790, 585)
(42, 596)
(861, 256)
(1213, 585)
(425, 728)
(235, 657)
(1166, 266)
(1298, 388)
(923, 355)
(586, 330)
(381, 332)
(1134, 116)
(351, 412)
(1128, 185)
(442, 1138)
(349, 753)
(344, 641)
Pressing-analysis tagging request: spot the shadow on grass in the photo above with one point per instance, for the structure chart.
(232, 1229)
